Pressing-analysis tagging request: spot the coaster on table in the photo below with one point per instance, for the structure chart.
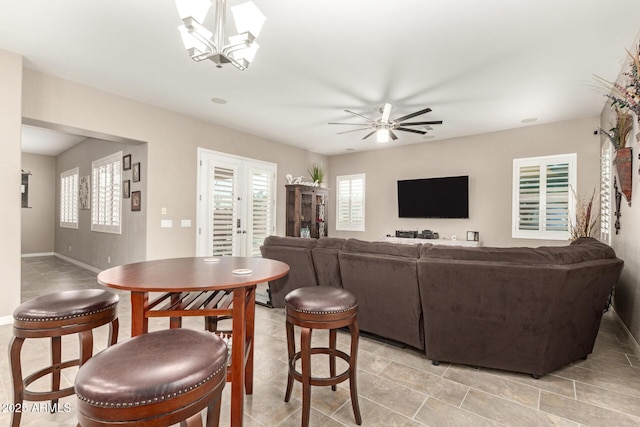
(211, 260)
(242, 271)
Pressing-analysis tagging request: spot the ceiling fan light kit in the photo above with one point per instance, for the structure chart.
(203, 44)
(384, 126)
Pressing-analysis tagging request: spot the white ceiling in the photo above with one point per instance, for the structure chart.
(481, 65)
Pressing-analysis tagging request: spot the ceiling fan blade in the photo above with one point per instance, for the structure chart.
(356, 124)
(409, 116)
(386, 113)
(393, 135)
(352, 130)
(369, 134)
(411, 130)
(359, 115)
(433, 122)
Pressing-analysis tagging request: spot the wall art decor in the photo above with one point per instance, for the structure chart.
(126, 189)
(136, 172)
(126, 162)
(24, 189)
(84, 193)
(136, 201)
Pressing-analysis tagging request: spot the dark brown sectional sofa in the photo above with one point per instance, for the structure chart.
(529, 310)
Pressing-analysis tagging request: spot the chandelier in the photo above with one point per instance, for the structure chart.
(203, 44)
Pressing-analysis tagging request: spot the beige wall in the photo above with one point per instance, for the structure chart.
(172, 141)
(627, 242)
(10, 179)
(103, 250)
(38, 220)
(486, 158)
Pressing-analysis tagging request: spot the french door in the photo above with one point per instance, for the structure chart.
(236, 204)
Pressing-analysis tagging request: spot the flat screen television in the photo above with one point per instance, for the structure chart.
(434, 197)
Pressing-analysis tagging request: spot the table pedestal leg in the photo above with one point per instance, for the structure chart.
(139, 306)
(237, 356)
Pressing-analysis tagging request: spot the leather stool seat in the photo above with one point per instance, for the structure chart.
(158, 378)
(53, 316)
(321, 307)
(69, 308)
(333, 303)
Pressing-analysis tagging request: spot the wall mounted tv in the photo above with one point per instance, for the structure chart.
(434, 197)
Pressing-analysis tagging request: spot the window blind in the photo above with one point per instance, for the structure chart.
(543, 201)
(605, 193)
(106, 198)
(261, 213)
(350, 202)
(69, 198)
(224, 210)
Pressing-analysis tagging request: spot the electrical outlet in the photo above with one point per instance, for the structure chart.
(108, 260)
(69, 248)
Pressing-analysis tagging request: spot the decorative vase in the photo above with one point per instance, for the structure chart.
(624, 168)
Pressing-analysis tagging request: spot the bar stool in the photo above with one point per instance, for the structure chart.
(321, 307)
(155, 379)
(53, 316)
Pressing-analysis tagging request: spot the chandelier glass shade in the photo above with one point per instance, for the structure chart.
(238, 50)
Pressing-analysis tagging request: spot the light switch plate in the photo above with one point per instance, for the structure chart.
(166, 223)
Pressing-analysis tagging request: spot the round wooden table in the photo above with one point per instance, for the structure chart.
(199, 286)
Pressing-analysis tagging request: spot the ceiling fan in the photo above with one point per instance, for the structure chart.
(384, 126)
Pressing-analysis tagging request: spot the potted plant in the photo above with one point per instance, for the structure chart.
(585, 221)
(316, 173)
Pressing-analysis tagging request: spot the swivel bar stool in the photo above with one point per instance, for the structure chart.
(321, 307)
(154, 379)
(53, 316)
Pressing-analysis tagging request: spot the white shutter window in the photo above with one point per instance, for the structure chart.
(543, 203)
(262, 201)
(605, 192)
(225, 213)
(350, 202)
(69, 198)
(106, 197)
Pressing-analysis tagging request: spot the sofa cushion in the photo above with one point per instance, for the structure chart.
(325, 260)
(505, 255)
(296, 252)
(385, 282)
(382, 248)
(581, 250)
(295, 242)
(330, 243)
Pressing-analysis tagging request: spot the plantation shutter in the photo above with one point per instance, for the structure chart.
(557, 197)
(350, 202)
(529, 197)
(605, 193)
(69, 198)
(225, 212)
(543, 201)
(260, 210)
(106, 200)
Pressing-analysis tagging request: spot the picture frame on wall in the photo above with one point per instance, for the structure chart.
(126, 189)
(136, 201)
(136, 172)
(83, 196)
(126, 162)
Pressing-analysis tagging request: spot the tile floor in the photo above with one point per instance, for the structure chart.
(397, 387)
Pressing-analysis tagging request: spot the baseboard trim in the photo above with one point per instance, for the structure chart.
(6, 320)
(634, 344)
(78, 263)
(37, 254)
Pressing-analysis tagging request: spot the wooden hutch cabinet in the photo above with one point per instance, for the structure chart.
(307, 207)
